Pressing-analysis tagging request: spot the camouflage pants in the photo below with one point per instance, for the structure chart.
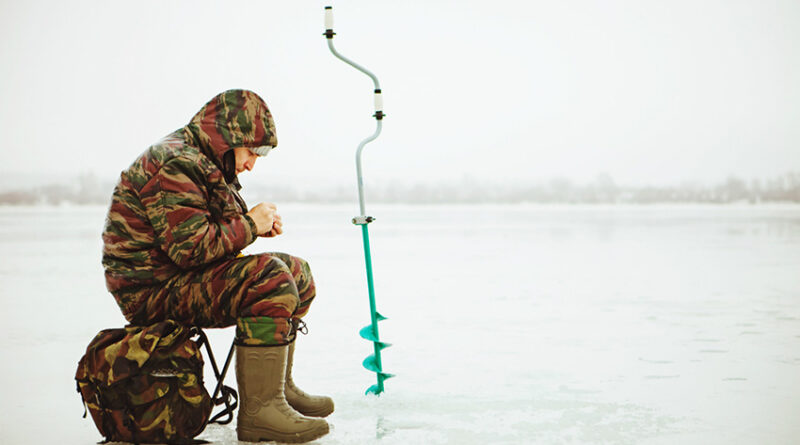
(259, 294)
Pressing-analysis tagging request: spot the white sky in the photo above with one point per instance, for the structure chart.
(650, 92)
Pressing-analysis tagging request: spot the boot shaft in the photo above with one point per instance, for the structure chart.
(261, 374)
(302, 402)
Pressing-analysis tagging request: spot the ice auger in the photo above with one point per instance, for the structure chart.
(369, 332)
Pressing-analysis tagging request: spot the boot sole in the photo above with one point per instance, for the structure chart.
(265, 434)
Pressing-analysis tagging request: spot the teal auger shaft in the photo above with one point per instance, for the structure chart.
(373, 361)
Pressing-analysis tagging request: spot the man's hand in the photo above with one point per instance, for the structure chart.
(277, 227)
(264, 216)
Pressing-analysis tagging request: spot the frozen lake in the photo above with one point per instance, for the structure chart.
(510, 324)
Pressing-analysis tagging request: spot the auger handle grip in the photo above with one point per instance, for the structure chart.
(329, 17)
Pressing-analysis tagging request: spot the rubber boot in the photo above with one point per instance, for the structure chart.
(264, 414)
(305, 404)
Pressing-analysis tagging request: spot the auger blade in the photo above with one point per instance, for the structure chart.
(367, 333)
(371, 364)
(380, 317)
(377, 389)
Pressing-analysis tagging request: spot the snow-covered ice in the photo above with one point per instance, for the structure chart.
(510, 324)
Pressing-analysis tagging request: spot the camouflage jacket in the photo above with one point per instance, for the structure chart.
(177, 207)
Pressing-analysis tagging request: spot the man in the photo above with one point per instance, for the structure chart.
(171, 239)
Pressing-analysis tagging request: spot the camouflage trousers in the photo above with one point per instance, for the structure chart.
(260, 294)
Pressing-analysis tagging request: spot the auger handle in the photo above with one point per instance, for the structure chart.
(378, 101)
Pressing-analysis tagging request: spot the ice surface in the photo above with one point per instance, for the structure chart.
(510, 324)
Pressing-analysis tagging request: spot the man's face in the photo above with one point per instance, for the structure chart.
(245, 159)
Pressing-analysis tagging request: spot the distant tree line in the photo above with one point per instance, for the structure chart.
(785, 188)
(88, 189)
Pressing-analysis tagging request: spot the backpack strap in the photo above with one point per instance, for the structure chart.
(108, 424)
(83, 401)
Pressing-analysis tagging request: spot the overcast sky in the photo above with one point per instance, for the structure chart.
(649, 92)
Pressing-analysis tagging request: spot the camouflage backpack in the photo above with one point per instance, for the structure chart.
(145, 384)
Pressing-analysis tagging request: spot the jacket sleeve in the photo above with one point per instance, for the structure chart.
(184, 227)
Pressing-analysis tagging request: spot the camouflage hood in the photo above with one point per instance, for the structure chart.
(235, 118)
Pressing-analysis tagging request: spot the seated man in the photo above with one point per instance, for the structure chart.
(171, 239)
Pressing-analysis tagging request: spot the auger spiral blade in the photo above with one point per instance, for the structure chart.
(366, 334)
(373, 361)
(372, 364)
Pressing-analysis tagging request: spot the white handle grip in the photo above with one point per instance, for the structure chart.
(378, 102)
(328, 17)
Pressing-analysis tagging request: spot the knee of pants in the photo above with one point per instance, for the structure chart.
(305, 285)
(299, 267)
(274, 292)
(301, 272)
(303, 265)
(304, 274)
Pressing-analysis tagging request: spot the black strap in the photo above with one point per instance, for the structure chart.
(299, 326)
(296, 325)
(130, 420)
(83, 401)
(222, 394)
(110, 429)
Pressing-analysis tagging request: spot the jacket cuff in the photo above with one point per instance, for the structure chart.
(250, 228)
